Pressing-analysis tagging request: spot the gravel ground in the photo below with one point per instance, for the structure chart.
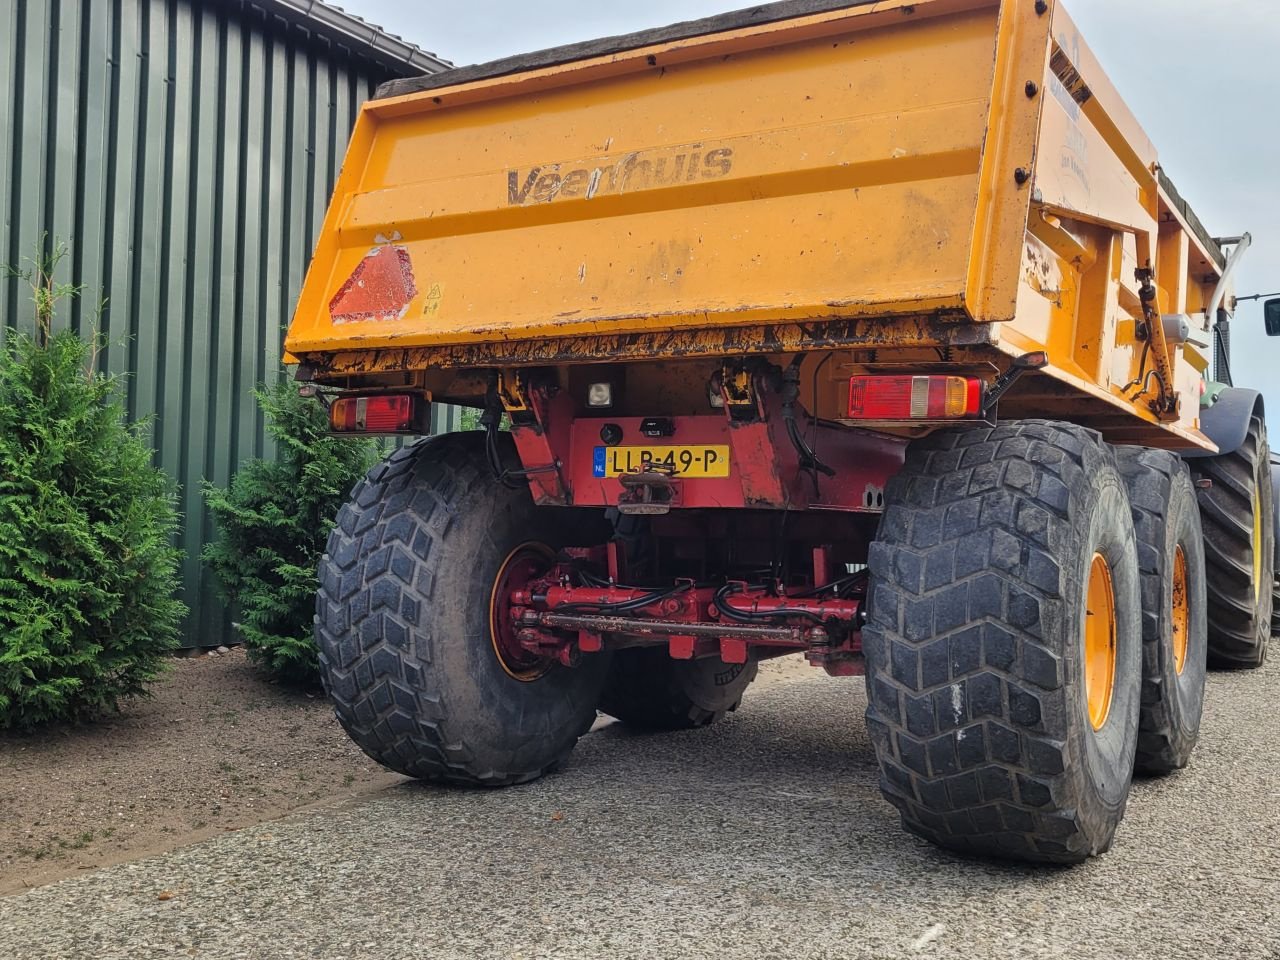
(762, 837)
(215, 748)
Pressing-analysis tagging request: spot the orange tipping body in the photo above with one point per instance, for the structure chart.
(885, 185)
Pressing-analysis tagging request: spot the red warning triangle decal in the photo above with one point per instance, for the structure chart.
(380, 288)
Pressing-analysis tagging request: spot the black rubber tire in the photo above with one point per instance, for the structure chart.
(1239, 614)
(1166, 518)
(406, 653)
(975, 642)
(1275, 592)
(649, 690)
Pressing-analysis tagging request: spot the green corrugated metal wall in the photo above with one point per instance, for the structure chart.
(185, 152)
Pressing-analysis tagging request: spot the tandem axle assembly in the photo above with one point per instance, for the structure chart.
(557, 614)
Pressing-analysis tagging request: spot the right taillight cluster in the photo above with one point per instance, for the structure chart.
(907, 398)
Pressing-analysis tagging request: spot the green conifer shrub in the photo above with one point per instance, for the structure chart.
(273, 522)
(88, 572)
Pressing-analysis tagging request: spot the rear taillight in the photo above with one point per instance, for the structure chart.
(386, 413)
(914, 398)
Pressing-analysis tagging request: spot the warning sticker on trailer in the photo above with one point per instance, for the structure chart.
(380, 288)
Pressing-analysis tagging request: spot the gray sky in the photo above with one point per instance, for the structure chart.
(1202, 78)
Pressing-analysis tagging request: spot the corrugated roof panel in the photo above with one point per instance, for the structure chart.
(333, 21)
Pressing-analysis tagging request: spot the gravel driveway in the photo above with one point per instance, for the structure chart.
(762, 837)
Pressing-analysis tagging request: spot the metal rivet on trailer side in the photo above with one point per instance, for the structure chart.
(1042, 7)
(1032, 88)
(1022, 175)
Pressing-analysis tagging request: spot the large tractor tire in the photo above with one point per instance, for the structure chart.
(649, 690)
(1239, 534)
(1275, 590)
(1175, 635)
(422, 675)
(1004, 642)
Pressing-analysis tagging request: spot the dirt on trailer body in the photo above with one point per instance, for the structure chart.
(216, 748)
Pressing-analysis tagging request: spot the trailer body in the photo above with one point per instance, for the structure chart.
(861, 330)
(875, 176)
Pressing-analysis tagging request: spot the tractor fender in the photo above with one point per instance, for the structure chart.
(1226, 423)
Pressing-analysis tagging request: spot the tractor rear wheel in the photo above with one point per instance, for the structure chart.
(649, 690)
(1004, 642)
(1239, 536)
(1275, 592)
(1174, 622)
(423, 671)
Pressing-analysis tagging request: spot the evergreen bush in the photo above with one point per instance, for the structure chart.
(273, 522)
(87, 567)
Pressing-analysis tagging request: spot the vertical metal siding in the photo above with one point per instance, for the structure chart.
(185, 151)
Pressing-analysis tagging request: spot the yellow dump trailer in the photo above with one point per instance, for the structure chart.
(870, 331)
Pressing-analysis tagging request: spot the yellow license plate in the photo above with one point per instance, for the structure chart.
(706, 461)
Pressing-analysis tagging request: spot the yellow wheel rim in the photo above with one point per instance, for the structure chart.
(1100, 642)
(1257, 547)
(1181, 610)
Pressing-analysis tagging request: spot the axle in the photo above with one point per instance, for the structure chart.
(554, 617)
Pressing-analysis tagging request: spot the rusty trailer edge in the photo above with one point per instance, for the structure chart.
(568, 53)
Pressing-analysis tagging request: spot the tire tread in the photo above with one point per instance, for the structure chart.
(1151, 476)
(378, 578)
(964, 611)
(1238, 626)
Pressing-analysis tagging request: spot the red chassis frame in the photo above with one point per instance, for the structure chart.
(550, 612)
(556, 448)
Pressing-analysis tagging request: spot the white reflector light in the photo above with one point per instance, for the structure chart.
(600, 395)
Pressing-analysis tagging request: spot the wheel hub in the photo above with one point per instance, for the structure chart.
(1100, 642)
(523, 565)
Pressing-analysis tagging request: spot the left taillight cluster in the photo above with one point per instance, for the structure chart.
(383, 413)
